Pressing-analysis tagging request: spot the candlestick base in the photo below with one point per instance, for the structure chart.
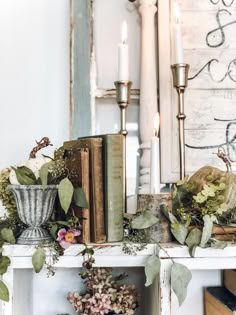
(123, 98)
(180, 75)
(180, 82)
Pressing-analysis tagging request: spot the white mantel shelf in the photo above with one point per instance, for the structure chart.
(111, 255)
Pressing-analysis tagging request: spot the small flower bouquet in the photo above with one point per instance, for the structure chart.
(201, 203)
(104, 293)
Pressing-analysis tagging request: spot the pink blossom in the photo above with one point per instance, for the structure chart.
(67, 237)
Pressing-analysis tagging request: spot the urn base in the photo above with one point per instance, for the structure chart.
(34, 236)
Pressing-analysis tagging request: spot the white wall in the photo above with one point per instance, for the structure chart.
(34, 76)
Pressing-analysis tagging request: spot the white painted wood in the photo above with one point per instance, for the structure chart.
(148, 88)
(158, 299)
(209, 48)
(206, 266)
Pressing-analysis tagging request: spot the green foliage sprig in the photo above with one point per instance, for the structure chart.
(41, 171)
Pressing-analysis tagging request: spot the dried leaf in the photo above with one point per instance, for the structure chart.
(144, 220)
(193, 240)
(43, 173)
(80, 198)
(180, 278)
(65, 191)
(38, 259)
(152, 269)
(4, 264)
(4, 293)
(24, 175)
(179, 231)
(8, 236)
(207, 230)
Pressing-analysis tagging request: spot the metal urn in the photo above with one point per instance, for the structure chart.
(34, 206)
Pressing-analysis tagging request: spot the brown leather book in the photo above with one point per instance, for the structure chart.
(94, 146)
(77, 162)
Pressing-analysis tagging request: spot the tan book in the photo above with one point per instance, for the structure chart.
(77, 162)
(113, 185)
(94, 145)
(219, 301)
(230, 280)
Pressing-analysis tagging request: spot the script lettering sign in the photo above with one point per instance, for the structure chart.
(209, 40)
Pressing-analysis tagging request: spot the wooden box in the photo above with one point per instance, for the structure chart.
(230, 280)
(219, 301)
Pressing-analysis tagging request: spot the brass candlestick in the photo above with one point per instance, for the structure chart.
(180, 82)
(123, 98)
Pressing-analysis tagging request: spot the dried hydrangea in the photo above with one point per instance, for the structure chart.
(104, 294)
(6, 196)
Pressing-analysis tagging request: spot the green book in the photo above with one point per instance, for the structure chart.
(112, 149)
(113, 185)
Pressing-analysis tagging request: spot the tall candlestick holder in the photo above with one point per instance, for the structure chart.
(180, 82)
(123, 89)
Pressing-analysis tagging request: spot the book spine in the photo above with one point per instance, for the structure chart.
(113, 190)
(98, 228)
(85, 187)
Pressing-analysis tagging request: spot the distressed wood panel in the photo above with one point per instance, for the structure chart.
(208, 34)
(80, 66)
(208, 5)
(212, 69)
(210, 48)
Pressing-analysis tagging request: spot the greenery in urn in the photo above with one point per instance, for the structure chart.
(64, 226)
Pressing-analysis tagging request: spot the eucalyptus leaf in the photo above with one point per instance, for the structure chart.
(4, 293)
(218, 244)
(38, 259)
(207, 230)
(152, 269)
(172, 218)
(43, 173)
(8, 236)
(193, 240)
(80, 198)
(179, 231)
(145, 220)
(4, 264)
(24, 175)
(53, 231)
(65, 191)
(63, 223)
(180, 278)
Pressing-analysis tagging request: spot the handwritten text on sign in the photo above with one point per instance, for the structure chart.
(210, 48)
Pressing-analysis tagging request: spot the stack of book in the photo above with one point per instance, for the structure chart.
(96, 164)
(222, 300)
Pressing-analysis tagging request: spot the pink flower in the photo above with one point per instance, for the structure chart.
(67, 237)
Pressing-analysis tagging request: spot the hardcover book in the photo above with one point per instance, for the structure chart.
(94, 146)
(113, 184)
(77, 162)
